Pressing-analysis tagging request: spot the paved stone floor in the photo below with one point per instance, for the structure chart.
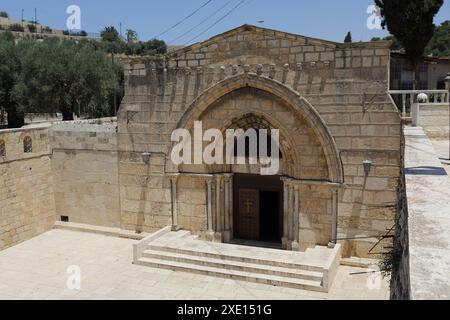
(441, 146)
(38, 269)
(428, 193)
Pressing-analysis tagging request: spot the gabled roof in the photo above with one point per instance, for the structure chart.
(277, 35)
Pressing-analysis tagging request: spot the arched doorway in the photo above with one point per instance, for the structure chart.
(243, 204)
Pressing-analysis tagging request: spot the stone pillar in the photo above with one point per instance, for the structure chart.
(210, 231)
(231, 206)
(219, 216)
(284, 239)
(227, 208)
(296, 213)
(334, 219)
(291, 210)
(173, 188)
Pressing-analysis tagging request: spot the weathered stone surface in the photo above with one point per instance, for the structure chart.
(329, 101)
(352, 102)
(27, 206)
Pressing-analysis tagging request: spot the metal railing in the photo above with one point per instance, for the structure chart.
(406, 98)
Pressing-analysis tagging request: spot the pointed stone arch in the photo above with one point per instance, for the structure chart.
(290, 97)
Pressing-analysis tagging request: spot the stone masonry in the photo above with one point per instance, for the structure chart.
(329, 101)
(27, 206)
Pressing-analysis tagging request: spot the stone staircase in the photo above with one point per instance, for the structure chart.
(180, 251)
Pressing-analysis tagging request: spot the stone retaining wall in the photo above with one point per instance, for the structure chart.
(86, 179)
(27, 206)
(433, 118)
(345, 83)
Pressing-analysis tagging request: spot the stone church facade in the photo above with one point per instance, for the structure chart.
(331, 105)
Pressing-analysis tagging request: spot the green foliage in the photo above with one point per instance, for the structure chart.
(131, 35)
(411, 22)
(67, 75)
(4, 14)
(9, 74)
(395, 45)
(112, 43)
(110, 34)
(348, 38)
(81, 33)
(47, 30)
(439, 45)
(57, 75)
(152, 47)
(64, 76)
(32, 27)
(16, 27)
(7, 36)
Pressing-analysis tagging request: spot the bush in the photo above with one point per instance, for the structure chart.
(4, 14)
(16, 27)
(47, 30)
(66, 32)
(81, 33)
(32, 28)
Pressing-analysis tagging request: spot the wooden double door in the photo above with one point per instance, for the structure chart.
(258, 208)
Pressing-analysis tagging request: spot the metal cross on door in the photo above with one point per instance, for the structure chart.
(249, 214)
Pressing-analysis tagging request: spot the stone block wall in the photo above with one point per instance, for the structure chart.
(100, 178)
(433, 118)
(27, 206)
(84, 166)
(346, 84)
(400, 277)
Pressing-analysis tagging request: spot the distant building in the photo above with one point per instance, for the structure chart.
(42, 31)
(432, 73)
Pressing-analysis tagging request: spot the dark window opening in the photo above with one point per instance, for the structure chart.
(2, 148)
(27, 145)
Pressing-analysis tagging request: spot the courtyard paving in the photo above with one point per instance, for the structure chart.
(441, 146)
(38, 269)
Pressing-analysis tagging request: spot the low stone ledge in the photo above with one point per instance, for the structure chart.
(114, 232)
(139, 247)
(359, 262)
(428, 193)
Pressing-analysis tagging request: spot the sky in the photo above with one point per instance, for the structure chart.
(324, 19)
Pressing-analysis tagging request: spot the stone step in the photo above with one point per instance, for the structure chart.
(174, 236)
(220, 252)
(234, 265)
(233, 274)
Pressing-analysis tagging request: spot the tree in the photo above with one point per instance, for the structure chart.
(411, 22)
(439, 46)
(32, 28)
(65, 76)
(155, 46)
(4, 14)
(9, 74)
(131, 35)
(110, 34)
(348, 38)
(394, 42)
